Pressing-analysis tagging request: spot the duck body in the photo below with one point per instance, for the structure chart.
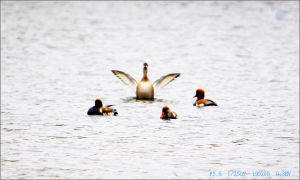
(145, 88)
(98, 109)
(204, 102)
(94, 111)
(200, 93)
(168, 114)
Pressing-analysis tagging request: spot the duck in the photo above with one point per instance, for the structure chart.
(98, 109)
(167, 114)
(145, 89)
(200, 93)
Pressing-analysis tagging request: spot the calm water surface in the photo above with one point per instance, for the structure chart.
(56, 59)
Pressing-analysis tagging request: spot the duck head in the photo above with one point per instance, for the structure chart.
(145, 68)
(165, 110)
(98, 103)
(200, 93)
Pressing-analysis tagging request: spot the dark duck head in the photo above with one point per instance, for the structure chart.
(165, 111)
(98, 103)
(200, 93)
(145, 67)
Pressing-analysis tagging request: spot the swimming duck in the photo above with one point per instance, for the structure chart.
(98, 109)
(200, 93)
(145, 89)
(167, 114)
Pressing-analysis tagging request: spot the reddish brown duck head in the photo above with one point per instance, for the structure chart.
(165, 111)
(200, 93)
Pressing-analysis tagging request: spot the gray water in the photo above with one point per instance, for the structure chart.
(57, 57)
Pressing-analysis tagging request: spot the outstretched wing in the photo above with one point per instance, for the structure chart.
(126, 78)
(164, 80)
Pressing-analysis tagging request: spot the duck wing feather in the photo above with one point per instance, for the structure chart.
(126, 79)
(164, 80)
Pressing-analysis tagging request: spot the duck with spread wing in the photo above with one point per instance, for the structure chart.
(145, 89)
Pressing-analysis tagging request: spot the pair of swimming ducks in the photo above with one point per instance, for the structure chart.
(145, 91)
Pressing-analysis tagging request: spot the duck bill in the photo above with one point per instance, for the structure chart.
(162, 115)
(194, 96)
